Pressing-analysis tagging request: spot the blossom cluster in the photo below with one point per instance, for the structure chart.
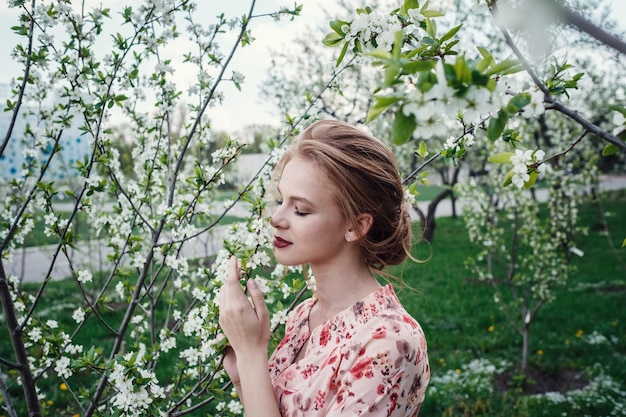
(522, 161)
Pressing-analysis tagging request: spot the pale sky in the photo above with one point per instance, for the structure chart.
(245, 107)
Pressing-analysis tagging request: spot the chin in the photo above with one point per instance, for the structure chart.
(287, 260)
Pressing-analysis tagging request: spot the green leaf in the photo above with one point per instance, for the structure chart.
(448, 35)
(408, 5)
(624, 244)
(380, 54)
(618, 108)
(382, 103)
(486, 61)
(426, 80)
(506, 67)
(418, 66)
(432, 13)
(342, 54)
(517, 102)
(422, 150)
(501, 158)
(332, 39)
(508, 180)
(20, 30)
(609, 150)
(462, 71)
(497, 125)
(337, 26)
(402, 128)
(532, 180)
(431, 26)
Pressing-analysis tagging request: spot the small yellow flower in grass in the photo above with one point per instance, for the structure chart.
(614, 323)
(63, 386)
(491, 328)
(457, 370)
(49, 402)
(76, 415)
(441, 360)
(567, 341)
(234, 394)
(539, 352)
(579, 333)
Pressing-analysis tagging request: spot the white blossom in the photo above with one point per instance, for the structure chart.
(62, 367)
(84, 276)
(34, 334)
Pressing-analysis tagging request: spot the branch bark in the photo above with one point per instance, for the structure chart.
(17, 340)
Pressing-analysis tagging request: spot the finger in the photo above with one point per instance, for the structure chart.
(256, 295)
(233, 270)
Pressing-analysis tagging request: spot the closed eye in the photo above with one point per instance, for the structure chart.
(300, 213)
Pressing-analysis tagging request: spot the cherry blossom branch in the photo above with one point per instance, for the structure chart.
(553, 103)
(25, 79)
(563, 152)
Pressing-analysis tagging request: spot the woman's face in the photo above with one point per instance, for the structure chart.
(309, 227)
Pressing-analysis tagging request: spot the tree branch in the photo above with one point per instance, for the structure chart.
(7, 398)
(17, 340)
(572, 18)
(552, 102)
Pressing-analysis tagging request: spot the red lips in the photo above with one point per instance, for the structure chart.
(280, 242)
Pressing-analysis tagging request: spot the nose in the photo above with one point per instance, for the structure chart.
(278, 219)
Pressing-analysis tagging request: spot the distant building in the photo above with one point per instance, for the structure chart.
(74, 146)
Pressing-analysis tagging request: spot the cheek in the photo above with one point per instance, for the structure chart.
(329, 234)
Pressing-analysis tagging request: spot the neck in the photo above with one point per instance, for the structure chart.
(339, 288)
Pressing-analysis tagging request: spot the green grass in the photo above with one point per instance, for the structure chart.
(462, 323)
(429, 192)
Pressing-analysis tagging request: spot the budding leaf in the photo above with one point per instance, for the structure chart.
(422, 150)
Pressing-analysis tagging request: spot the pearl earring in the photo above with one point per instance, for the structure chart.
(348, 238)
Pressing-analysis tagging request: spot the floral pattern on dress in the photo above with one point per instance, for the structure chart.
(368, 360)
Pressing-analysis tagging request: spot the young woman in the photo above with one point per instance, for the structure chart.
(351, 349)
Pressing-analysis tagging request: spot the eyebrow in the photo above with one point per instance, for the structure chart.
(297, 198)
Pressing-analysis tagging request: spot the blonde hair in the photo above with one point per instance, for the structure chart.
(363, 174)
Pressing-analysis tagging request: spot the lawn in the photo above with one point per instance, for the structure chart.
(578, 342)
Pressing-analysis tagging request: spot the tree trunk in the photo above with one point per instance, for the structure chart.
(428, 221)
(525, 347)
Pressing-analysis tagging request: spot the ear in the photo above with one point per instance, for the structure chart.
(364, 222)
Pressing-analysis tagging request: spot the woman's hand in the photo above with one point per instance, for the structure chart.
(245, 324)
(230, 366)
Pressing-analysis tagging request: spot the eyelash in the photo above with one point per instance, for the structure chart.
(296, 211)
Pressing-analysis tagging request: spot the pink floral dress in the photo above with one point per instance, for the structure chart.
(368, 360)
